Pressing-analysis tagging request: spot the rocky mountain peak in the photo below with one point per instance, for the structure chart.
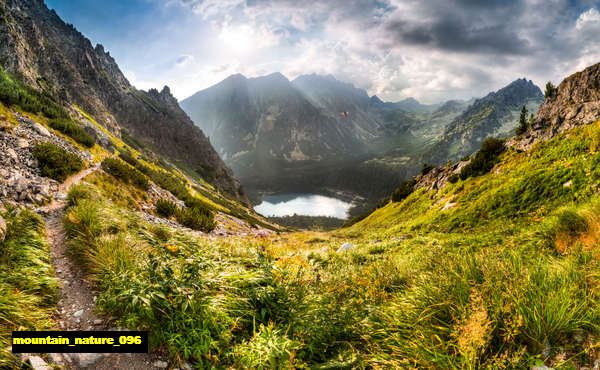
(276, 76)
(375, 100)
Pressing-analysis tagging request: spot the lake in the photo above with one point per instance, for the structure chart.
(303, 204)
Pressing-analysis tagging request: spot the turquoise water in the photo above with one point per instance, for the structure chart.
(303, 204)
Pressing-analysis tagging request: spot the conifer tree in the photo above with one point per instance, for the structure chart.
(523, 124)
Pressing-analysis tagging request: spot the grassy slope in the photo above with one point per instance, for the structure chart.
(28, 288)
(507, 278)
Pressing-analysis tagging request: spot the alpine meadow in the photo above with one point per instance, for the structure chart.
(322, 185)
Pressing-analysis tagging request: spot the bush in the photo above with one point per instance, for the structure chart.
(73, 130)
(485, 159)
(196, 218)
(454, 178)
(125, 173)
(55, 162)
(270, 348)
(570, 223)
(128, 157)
(404, 190)
(15, 93)
(165, 208)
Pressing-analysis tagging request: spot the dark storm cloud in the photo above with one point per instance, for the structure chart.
(463, 26)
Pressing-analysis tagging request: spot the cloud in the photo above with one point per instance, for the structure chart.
(587, 19)
(184, 60)
(429, 49)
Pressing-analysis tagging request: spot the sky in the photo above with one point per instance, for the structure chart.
(432, 50)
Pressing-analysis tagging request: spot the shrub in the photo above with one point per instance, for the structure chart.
(404, 190)
(55, 162)
(125, 173)
(568, 223)
(73, 130)
(485, 159)
(270, 348)
(196, 218)
(165, 208)
(161, 232)
(15, 93)
(454, 178)
(128, 157)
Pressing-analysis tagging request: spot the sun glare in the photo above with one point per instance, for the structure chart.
(238, 39)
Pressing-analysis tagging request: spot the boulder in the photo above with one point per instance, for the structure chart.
(22, 143)
(85, 360)
(100, 137)
(55, 358)
(12, 154)
(40, 129)
(346, 247)
(160, 364)
(37, 363)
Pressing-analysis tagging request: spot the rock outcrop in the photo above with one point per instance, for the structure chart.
(576, 102)
(437, 177)
(20, 179)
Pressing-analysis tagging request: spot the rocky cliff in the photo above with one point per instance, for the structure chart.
(575, 102)
(54, 57)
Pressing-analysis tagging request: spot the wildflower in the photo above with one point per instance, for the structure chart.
(73, 218)
(172, 248)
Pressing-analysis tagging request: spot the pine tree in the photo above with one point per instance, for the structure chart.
(523, 125)
(550, 90)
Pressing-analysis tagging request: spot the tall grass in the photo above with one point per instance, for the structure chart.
(28, 289)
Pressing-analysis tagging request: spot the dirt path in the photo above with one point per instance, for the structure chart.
(76, 304)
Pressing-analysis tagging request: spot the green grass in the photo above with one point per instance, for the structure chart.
(28, 289)
(507, 278)
(55, 162)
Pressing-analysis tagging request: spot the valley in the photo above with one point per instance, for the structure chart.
(295, 224)
(316, 133)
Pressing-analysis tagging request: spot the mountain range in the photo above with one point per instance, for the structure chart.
(276, 133)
